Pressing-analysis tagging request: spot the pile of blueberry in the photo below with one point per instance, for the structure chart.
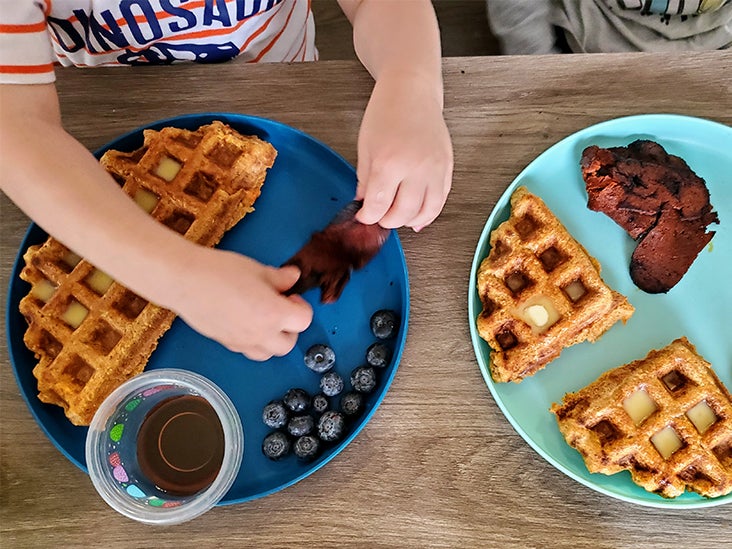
(302, 423)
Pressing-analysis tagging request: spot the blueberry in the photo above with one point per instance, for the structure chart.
(352, 403)
(319, 358)
(275, 415)
(378, 355)
(300, 425)
(276, 445)
(297, 400)
(320, 403)
(363, 379)
(331, 384)
(384, 324)
(306, 447)
(330, 426)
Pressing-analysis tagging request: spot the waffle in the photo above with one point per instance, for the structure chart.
(541, 292)
(666, 418)
(88, 332)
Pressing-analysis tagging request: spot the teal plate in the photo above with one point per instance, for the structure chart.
(698, 307)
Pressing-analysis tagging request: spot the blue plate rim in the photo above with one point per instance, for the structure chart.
(256, 121)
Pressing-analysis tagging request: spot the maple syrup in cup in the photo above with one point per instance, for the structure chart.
(180, 445)
(165, 446)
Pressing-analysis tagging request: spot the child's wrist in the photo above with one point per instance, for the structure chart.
(420, 83)
(180, 278)
(167, 270)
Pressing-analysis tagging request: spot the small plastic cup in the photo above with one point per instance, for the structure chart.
(112, 447)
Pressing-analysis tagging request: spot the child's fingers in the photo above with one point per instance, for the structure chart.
(285, 277)
(406, 206)
(295, 312)
(432, 204)
(378, 192)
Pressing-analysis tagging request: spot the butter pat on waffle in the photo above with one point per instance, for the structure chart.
(666, 418)
(541, 292)
(88, 332)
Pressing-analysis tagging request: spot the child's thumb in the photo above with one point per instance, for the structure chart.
(285, 277)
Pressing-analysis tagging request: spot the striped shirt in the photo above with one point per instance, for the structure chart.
(37, 34)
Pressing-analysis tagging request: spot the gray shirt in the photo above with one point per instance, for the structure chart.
(590, 26)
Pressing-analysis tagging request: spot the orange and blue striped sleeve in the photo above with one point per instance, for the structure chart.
(26, 56)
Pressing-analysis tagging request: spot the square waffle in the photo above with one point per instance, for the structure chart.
(90, 333)
(541, 292)
(666, 418)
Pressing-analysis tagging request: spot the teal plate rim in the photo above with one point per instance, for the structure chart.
(694, 307)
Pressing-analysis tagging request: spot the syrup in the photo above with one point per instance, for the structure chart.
(180, 445)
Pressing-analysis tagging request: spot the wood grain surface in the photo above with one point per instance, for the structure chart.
(438, 465)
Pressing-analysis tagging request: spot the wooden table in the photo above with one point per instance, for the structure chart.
(438, 465)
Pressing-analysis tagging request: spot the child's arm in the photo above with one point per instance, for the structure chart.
(60, 185)
(404, 149)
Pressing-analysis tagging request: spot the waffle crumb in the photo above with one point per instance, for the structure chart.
(88, 332)
(541, 292)
(677, 437)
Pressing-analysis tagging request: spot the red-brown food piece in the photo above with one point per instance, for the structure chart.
(658, 200)
(330, 255)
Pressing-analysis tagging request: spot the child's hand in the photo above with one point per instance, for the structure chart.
(404, 154)
(239, 303)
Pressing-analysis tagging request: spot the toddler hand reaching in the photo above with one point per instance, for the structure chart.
(405, 157)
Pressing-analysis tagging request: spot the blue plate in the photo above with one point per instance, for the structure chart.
(698, 306)
(308, 184)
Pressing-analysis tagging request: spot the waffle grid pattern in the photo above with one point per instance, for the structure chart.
(534, 259)
(595, 422)
(88, 332)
